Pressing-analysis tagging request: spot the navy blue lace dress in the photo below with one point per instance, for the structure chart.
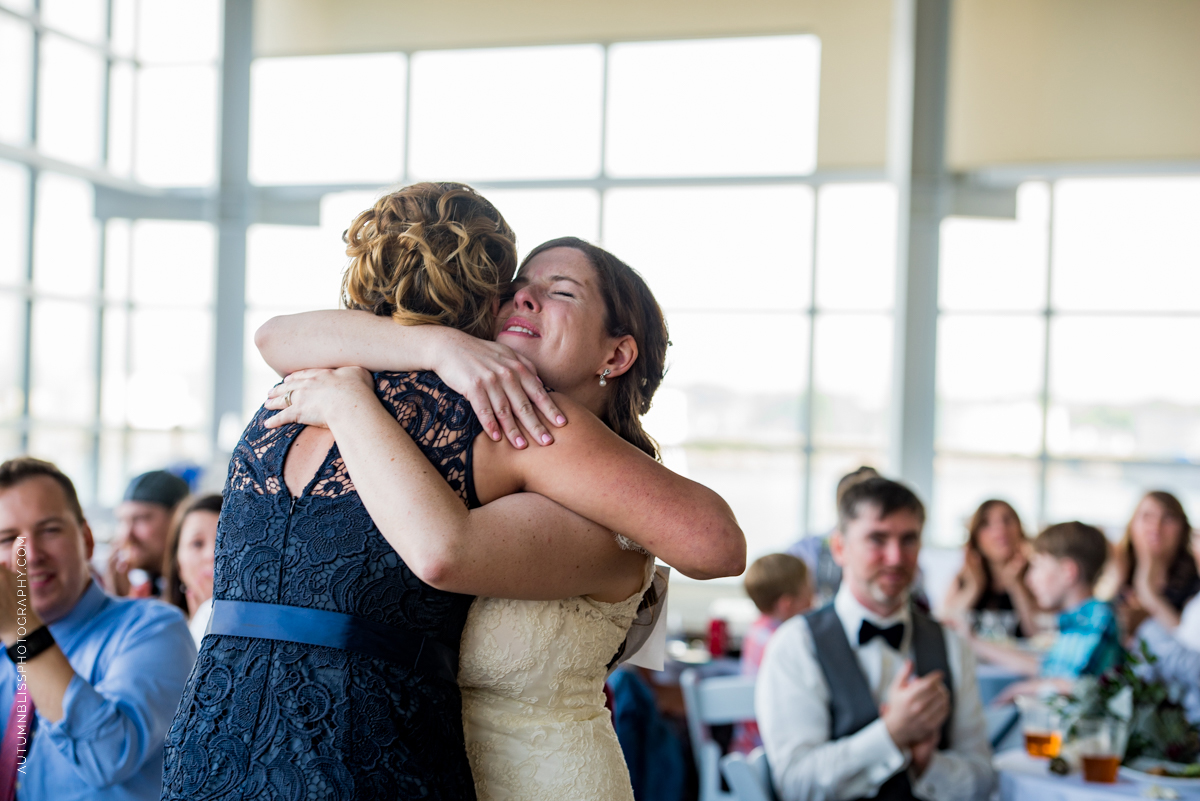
(274, 719)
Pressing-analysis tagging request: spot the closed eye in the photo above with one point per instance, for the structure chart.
(564, 294)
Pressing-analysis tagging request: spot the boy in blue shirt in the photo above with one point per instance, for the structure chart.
(1067, 560)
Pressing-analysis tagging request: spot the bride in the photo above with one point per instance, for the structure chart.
(531, 670)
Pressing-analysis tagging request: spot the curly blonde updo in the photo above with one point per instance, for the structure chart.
(430, 253)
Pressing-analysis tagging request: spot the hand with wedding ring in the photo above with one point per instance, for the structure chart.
(309, 397)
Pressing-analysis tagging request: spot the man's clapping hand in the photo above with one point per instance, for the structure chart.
(916, 708)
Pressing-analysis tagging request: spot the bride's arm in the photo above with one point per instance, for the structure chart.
(595, 474)
(496, 381)
(521, 546)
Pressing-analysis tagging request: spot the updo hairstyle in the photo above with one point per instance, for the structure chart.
(430, 253)
(629, 308)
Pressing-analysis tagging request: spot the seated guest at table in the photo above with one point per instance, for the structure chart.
(97, 679)
(814, 548)
(778, 583)
(143, 522)
(188, 572)
(992, 577)
(868, 697)
(1152, 574)
(1178, 647)
(1067, 560)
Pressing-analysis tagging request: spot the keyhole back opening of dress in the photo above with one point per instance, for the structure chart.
(305, 457)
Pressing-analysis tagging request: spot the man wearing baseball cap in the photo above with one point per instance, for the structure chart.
(143, 522)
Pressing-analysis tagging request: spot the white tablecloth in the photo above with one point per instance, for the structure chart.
(1023, 778)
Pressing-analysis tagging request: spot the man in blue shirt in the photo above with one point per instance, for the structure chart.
(105, 675)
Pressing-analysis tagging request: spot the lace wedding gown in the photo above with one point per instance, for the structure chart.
(532, 677)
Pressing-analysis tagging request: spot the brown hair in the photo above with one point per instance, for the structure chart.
(850, 479)
(629, 309)
(1083, 544)
(886, 495)
(430, 253)
(173, 592)
(977, 523)
(1182, 576)
(22, 468)
(773, 576)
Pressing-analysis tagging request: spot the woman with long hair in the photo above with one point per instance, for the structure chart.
(532, 670)
(1152, 569)
(995, 560)
(188, 564)
(366, 704)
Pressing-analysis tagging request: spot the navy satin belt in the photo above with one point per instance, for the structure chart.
(334, 630)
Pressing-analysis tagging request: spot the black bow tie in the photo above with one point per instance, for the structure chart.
(894, 635)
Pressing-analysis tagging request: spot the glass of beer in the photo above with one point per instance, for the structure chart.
(1042, 725)
(1101, 744)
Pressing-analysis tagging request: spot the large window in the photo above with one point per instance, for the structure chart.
(1066, 382)
(105, 326)
(1063, 378)
(693, 161)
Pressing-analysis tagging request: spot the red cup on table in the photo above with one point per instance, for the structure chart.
(718, 637)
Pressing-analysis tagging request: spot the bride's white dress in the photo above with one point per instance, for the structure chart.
(532, 676)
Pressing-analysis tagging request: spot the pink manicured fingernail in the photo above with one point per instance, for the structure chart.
(521, 442)
(546, 439)
(561, 420)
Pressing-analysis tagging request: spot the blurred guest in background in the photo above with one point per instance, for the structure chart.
(778, 583)
(992, 577)
(854, 700)
(188, 568)
(143, 522)
(814, 548)
(91, 682)
(1178, 647)
(1152, 573)
(1067, 560)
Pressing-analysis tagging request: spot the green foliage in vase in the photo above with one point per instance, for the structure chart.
(1158, 726)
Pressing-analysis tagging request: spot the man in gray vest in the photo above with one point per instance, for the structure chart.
(867, 697)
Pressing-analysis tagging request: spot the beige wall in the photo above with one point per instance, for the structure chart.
(1031, 80)
(1073, 80)
(854, 41)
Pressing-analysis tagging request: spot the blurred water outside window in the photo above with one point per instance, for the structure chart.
(1064, 376)
(106, 352)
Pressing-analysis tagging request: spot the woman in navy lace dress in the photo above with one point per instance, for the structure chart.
(687, 525)
(329, 668)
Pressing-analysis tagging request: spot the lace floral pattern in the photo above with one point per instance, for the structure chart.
(532, 676)
(265, 719)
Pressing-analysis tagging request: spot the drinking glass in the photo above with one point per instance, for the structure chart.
(1101, 744)
(1042, 725)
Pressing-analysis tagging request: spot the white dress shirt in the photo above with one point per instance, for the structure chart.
(1188, 631)
(792, 707)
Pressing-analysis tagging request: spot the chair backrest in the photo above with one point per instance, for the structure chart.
(749, 777)
(715, 700)
(711, 701)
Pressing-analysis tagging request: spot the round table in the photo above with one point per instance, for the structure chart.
(1024, 778)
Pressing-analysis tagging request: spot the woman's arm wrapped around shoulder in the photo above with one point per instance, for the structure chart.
(597, 476)
(502, 386)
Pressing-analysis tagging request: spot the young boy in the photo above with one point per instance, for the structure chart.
(1067, 560)
(779, 585)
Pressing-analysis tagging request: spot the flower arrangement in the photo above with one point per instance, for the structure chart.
(1158, 727)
